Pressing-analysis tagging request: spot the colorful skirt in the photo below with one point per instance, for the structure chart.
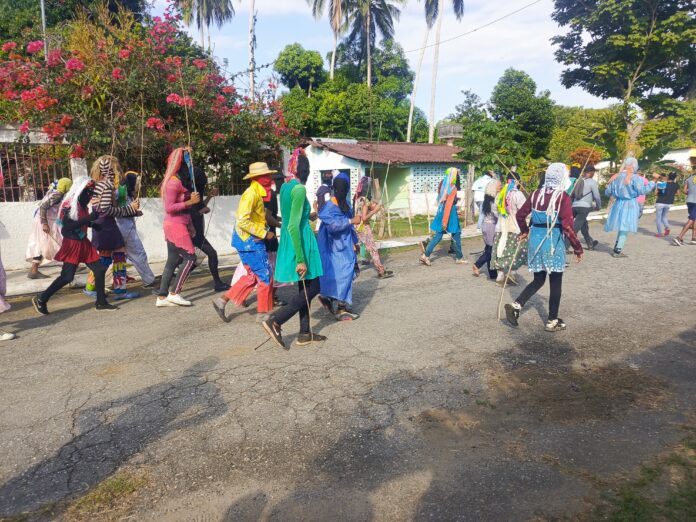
(506, 261)
(42, 244)
(75, 252)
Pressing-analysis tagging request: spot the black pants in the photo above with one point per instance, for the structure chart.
(581, 225)
(175, 255)
(299, 304)
(556, 282)
(67, 274)
(208, 249)
(485, 259)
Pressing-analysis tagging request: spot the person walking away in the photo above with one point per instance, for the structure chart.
(479, 190)
(585, 198)
(551, 219)
(250, 232)
(4, 305)
(446, 220)
(690, 190)
(509, 252)
(366, 210)
(625, 187)
(298, 260)
(135, 251)
(337, 240)
(642, 198)
(490, 219)
(74, 219)
(178, 227)
(667, 189)
(45, 238)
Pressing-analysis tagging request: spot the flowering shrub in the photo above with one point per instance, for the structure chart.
(112, 80)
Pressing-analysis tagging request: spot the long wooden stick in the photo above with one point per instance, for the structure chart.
(410, 210)
(386, 195)
(507, 277)
(517, 177)
(188, 127)
(426, 191)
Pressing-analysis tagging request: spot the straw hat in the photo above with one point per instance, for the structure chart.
(258, 169)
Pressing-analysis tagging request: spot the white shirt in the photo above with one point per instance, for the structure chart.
(479, 188)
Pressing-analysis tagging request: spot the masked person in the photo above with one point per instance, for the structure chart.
(4, 305)
(250, 232)
(365, 209)
(507, 241)
(45, 238)
(178, 227)
(488, 225)
(337, 240)
(551, 219)
(74, 219)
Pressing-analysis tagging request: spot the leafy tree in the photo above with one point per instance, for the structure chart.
(300, 68)
(337, 19)
(585, 155)
(573, 126)
(514, 100)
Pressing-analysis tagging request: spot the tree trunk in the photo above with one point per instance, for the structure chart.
(415, 85)
(436, 59)
(252, 59)
(202, 28)
(369, 51)
(333, 57)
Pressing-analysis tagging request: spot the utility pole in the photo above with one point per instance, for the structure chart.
(433, 94)
(43, 27)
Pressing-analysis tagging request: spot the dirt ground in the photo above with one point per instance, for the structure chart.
(426, 408)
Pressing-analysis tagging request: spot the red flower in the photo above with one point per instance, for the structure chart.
(24, 127)
(87, 91)
(155, 123)
(53, 130)
(172, 78)
(173, 60)
(124, 54)
(200, 64)
(54, 57)
(117, 74)
(74, 64)
(229, 90)
(10, 95)
(218, 136)
(8, 46)
(78, 151)
(35, 46)
(174, 98)
(66, 120)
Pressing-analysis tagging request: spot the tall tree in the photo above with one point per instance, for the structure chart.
(206, 13)
(300, 68)
(338, 10)
(434, 13)
(632, 50)
(366, 18)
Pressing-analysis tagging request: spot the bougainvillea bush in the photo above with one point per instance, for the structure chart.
(109, 83)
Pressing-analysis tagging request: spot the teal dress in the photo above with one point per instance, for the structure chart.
(298, 244)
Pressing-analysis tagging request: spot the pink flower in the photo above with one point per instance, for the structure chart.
(124, 54)
(87, 91)
(117, 74)
(200, 64)
(74, 64)
(54, 57)
(24, 127)
(35, 46)
(78, 151)
(155, 123)
(229, 90)
(10, 95)
(172, 78)
(174, 98)
(218, 136)
(9, 46)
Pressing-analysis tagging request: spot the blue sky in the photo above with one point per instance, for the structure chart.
(473, 62)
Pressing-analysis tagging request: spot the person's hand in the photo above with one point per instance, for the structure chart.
(655, 176)
(94, 201)
(356, 220)
(136, 205)
(94, 215)
(313, 216)
(214, 192)
(301, 270)
(204, 210)
(269, 235)
(195, 199)
(139, 213)
(45, 228)
(578, 258)
(523, 236)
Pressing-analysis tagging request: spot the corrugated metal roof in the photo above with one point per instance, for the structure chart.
(396, 153)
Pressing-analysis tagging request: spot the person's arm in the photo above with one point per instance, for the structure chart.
(271, 220)
(565, 215)
(104, 194)
(244, 221)
(171, 193)
(522, 214)
(297, 200)
(48, 203)
(69, 225)
(595, 195)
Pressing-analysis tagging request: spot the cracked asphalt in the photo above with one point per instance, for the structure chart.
(426, 408)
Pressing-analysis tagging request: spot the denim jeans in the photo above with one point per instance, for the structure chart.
(662, 217)
(456, 238)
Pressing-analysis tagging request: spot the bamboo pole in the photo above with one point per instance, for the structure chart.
(426, 189)
(386, 195)
(410, 209)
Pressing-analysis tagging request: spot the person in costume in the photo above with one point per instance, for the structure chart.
(488, 225)
(74, 219)
(178, 227)
(690, 191)
(551, 219)
(337, 240)
(479, 190)
(135, 251)
(446, 220)
(107, 239)
(298, 260)
(4, 305)
(667, 189)
(625, 187)
(585, 195)
(366, 209)
(507, 241)
(250, 232)
(45, 238)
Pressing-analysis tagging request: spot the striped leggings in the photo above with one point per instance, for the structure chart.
(174, 255)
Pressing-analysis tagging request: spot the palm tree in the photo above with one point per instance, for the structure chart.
(435, 12)
(365, 18)
(206, 12)
(337, 18)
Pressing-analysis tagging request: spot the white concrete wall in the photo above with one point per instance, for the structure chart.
(16, 222)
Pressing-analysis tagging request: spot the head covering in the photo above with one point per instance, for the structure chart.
(341, 188)
(554, 187)
(555, 176)
(131, 178)
(173, 164)
(492, 188)
(294, 162)
(71, 199)
(257, 169)
(63, 185)
(107, 168)
(630, 167)
(449, 184)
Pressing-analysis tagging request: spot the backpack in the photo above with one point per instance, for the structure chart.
(578, 190)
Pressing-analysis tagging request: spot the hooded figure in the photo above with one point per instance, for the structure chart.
(365, 210)
(45, 239)
(337, 239)
(446, 220)
(507, 232)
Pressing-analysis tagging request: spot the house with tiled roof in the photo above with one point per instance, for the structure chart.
(412, 171)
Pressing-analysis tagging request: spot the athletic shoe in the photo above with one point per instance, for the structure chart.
(461, 261)
(36, 275)
(163, 303)
(594, 244)
(178, 300)
(425, 260)
(308, 338)
(677, 242)
(151, 285)
(387, 274)
(274, 332)
(692, 242)
(659, 235)
(6, 336)
(512, 313)
(105, 307)
(219, 306)
(40, 306)
(345, 315)
(555, 326)
(619, 255)
(221, 286)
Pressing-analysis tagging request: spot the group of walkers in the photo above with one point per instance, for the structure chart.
(538, 229)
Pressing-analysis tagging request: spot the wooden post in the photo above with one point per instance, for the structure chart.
(386, 195)
(378, 196)
(410, 208)
(426, 189)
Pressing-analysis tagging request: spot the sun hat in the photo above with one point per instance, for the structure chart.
(258, 169)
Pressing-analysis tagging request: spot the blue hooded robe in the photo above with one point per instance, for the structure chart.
(336, 238)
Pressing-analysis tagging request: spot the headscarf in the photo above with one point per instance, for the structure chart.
(266, 181)
(71, 199)
(63, 185)
(449, 184)
(341, 187)
(107, 168)
(501, 201)
(173, 165)
(294, 163)
(629, 163)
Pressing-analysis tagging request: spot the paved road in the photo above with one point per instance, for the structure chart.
(425, 409)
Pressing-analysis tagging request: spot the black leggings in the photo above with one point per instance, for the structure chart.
(209, 251)
(67, 274)
(485, 259)
(174, 256)
(556, 282)
(299, 304)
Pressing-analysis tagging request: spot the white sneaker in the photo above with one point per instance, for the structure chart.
(178, 300)
(5, 336)
(461, 261)
(163, 303)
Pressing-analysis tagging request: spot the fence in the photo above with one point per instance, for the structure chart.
(30, 169)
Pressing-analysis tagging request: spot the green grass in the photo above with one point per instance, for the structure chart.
(106, 500)
(400, 227)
